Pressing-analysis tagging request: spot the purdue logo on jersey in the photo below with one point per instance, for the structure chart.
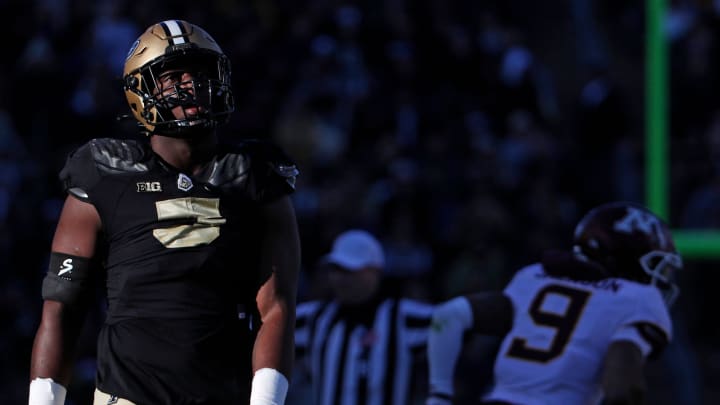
(148, 187)
(289, 173)
(184, 183)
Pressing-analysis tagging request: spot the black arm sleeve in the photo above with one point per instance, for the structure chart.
(655, 336)
(68, 279)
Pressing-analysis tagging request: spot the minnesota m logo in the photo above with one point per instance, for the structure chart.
(638, 220)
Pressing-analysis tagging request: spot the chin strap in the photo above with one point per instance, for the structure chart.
(197, 131)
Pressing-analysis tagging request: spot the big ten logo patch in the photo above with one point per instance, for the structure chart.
(148, 187)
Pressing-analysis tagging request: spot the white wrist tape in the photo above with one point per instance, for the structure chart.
(45, 391)
(269, 387)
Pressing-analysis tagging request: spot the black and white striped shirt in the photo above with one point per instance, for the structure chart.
(361, 356)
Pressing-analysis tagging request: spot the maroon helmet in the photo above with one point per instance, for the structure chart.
(629, 242)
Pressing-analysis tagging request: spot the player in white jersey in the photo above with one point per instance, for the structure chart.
(576, 326)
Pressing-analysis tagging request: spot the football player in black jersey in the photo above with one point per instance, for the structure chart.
(184, 231)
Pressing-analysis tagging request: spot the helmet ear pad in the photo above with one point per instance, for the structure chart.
(131, 82)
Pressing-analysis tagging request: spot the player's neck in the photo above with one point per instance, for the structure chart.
(186, 155)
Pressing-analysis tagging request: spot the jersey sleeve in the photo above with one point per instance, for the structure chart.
(518, 289)
(80, 173)
(273, 172)
(648, 325)
(88, 164)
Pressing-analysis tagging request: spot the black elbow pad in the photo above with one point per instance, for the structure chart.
(655, 336)
(68, 279)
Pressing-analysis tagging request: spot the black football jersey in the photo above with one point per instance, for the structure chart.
(182, 253)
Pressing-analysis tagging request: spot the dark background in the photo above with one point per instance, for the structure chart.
(469, 136)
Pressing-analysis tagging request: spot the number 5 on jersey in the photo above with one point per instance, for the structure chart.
(205, 211)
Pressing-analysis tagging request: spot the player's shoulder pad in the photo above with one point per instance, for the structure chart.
(524, 281)
(534, 270)
(267, 155)
(100, 157)
(263, 167)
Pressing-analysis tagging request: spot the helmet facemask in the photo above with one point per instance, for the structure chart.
(661, 267)
(209, 91)
(161, 108)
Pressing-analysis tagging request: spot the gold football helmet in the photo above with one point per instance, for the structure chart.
(176, 45)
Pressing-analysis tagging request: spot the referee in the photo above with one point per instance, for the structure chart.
(360, 346)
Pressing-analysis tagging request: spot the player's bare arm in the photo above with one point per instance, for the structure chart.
(492, 313)
(488, 313)
(622, 379)
(274, 345)
(62, 315)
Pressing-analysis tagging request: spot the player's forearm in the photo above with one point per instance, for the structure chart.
(274, 345)
(623, 380)
(47, 360)
(273, 355)
(52, 353)
(53, 345)
(274, 348)
(275, 342)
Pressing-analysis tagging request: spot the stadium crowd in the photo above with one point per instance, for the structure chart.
(468, 136)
